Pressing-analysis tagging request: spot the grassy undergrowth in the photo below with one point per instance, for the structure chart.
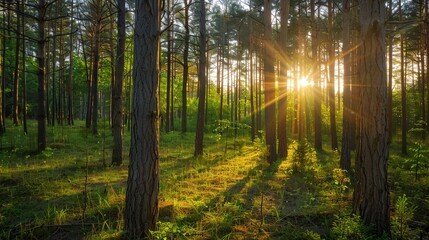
(70, 191)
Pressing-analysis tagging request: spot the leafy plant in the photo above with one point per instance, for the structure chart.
(349, 227)
(169, 230)
(47, 153)
(341, 181)
(404, 212)
(304, 159)
(418, 159)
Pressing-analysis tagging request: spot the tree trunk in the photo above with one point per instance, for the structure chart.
(94, 79)
(371, 195)
(422, 72)
(426, 20)
(54, 109)
(3, 76)
(70, 117)
(282, 99)
(269, 86)
(345, 160)
(117, 88)
(331, 84)
(403, 91)
(60, 113)
(168, 92)
(222, 88)
(390, 82)
(199, 136)
(41, 117)
(259, 96)
(141, 203)
(112, 63)
(15, 111)
(316, 79)
(24, 76)
(252, 101)
(185, 67)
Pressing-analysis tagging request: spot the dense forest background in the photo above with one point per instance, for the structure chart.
(262, 108)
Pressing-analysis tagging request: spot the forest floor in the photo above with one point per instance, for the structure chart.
(69, 191)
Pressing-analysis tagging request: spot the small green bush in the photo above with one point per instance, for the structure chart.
(348, 228)
(404, 212)
(169, 230)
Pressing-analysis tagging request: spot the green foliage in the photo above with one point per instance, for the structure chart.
(304, 159)
(56, 216)
(47, 153)
(349, 228)
(418, 160)
(404, 212)
(341, 181)
(228, 128)
(170, 230)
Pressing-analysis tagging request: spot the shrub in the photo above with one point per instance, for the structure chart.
(404, 213)
(348, 228)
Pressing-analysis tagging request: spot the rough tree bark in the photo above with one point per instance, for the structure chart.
(282, 100)
(3, 76)
(185, 67)
(403, 90)
(141, 205)
(345, 160)
(15, 111)
(269, 86)
(316, 79)
(199, 132)
(41, 91)
(24, 75)
(371, 195)
(117, 88)
(331, 83)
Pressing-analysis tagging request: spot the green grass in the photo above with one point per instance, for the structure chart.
(70, 190)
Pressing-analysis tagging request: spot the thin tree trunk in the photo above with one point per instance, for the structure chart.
(3, 76)
(61, 89)
(345, 160)
(282, 99)
(390, 82)
(94, 78)
(70, 119)
(24, 76)
(41, 117)
(185, 67)
(427, 60)
(60, 111)
(15, 111)
(54, 110)
(316, 79)
(112, 65)
(168, 92)
(269, 86)
(422, 72)
(221, 88)
(117, 88)
(252, 101)
(199, 136)
(259, 94)
(403, 91)
(331, 84)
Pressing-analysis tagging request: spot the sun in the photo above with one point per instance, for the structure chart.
(303, 82)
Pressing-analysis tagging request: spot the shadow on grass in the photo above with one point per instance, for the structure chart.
(67, 217)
